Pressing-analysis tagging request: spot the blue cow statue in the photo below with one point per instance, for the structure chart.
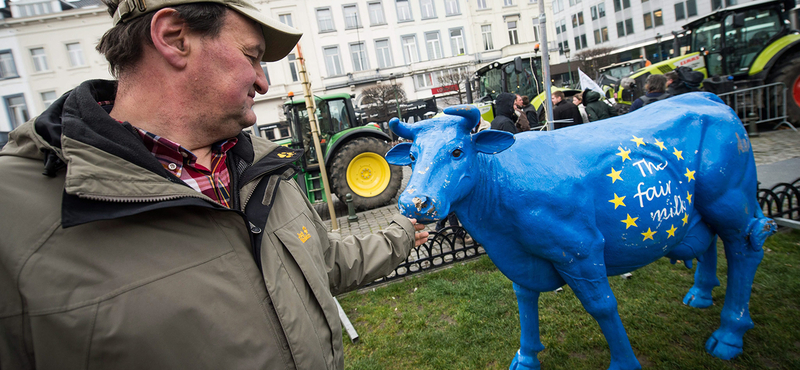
(577, 205)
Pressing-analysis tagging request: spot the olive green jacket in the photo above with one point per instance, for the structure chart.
(107, 261)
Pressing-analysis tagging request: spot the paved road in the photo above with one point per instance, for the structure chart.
(777, 155)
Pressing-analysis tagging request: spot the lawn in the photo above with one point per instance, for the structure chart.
(465, 317)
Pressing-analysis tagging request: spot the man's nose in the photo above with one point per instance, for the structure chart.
(261, 85)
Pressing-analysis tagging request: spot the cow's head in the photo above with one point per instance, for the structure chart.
(444, 159)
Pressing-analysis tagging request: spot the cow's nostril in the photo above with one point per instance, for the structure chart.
(419, 203)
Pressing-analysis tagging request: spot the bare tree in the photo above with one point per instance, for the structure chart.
(456, 79)
(591, 60)
(380, 101)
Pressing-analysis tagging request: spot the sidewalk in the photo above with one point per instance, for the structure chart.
(777, 155)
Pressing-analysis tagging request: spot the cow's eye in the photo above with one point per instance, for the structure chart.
(457, 153)
(412, 157)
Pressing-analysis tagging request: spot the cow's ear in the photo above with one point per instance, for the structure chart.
(492, 141)
(400, 155)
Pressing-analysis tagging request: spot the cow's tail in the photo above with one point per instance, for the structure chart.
(758, 230)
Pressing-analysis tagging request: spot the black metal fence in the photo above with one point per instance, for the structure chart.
(782, 203)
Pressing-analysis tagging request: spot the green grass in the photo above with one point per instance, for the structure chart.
(465, 317)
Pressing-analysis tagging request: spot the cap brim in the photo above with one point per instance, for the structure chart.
(280, 38)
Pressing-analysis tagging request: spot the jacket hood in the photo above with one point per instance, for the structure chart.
(504, 104)
(590, 96)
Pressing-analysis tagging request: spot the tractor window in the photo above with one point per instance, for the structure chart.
(340, 118)
(521, 83)
(746, 42)
(490, 83)
(706, 36)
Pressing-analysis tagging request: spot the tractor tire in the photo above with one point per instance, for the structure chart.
(788, 72)
(360, 169)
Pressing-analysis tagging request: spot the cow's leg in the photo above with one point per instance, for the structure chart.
(529, 342)
(589, 282)
(705, 279)
(743, 235)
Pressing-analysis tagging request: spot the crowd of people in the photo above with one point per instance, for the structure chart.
(514, 113)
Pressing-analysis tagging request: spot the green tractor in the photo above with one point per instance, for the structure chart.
(752, 44)
(353, 154)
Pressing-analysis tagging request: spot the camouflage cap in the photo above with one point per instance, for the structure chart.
(280, 38)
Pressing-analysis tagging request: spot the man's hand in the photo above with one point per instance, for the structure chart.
(420, 236)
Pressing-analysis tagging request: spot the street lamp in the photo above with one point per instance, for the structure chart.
(393, 79)
(569, 69)
(658, 42)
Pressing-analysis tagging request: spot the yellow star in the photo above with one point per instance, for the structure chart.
(671, 231)
(625, 155)
(689, 174)
(638, 141)
(689, 197)
(660, 145)
(617, 201)
(614, 175)
(685, 218)
(630, 221)
(678, 153)
(648, 234)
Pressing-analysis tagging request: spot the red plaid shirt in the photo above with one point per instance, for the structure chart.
(214, 182)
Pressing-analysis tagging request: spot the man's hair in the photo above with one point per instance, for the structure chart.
(123, 45)
(655, 83)
(579, 96)
(559, 94)
(673, 76)
(526, 100)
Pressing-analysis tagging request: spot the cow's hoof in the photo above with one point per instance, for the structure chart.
(697, 298)
(721, 348)
(521, 362)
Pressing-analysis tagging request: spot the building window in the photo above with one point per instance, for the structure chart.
(404, 11)
(580, 42)
(562, 46)
(293, 67)
(620, 29)
(658, 18)
(561, 26)
(75, 54)
(325, 20)
(384, 53)
(286, 19)
(577, 20)
(594, 13)
(691, 8)
(513, 36)
(17, 110)
(601, 35)
(333, 64)
(426, 9)
(266, 73)
(629, 26)
(376, 14)
(457, 44)
(48, 97)
(351, 20)
(598, 11)
(39, 60)
(486, 34)
(621, 4)
(680, 13)
(482, 4)
(558, 6)
(508, 2)
(648, 21)
(410, 52)
(573, 2)
(8, 69)
(451, 7)
(433, 45)
(535, 22)
(359, 54)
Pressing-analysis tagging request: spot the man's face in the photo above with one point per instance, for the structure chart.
(555, 99)
(228, 76)
(518, 102)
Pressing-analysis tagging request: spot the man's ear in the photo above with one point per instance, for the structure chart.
(169, 34)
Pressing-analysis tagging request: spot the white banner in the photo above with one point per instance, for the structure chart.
(588, 83)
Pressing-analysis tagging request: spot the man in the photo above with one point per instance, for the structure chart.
(504, 114)
(596, 109)
(683, 80)
(655, 87)
(564, 110)
(159, 235)
(530, 111)
(522, 123)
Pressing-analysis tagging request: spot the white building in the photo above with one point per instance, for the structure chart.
(348, 44)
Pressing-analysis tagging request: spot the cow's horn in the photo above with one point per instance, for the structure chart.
(471, 114)
(401, 129)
